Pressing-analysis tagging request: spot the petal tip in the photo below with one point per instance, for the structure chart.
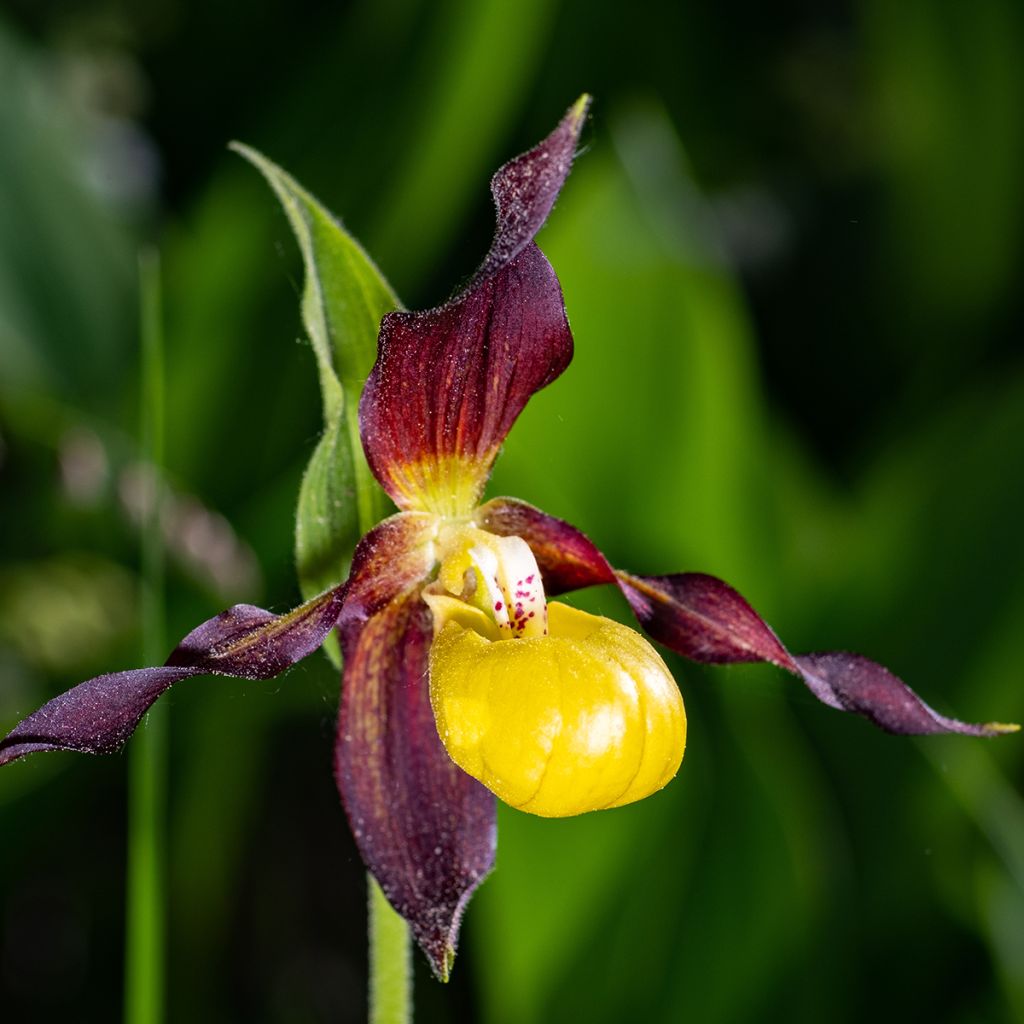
(438, 945)
(578, 111)
(1001, 728)
(444, 963)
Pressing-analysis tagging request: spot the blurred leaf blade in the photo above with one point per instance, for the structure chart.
(944, 97)
(48, 347)
(469, 45)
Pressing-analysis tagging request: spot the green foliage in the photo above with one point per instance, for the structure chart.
(345, 295)
(343, 301)
(326, 519)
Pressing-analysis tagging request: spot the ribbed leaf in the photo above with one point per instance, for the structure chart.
(344, 299)
(326, 519)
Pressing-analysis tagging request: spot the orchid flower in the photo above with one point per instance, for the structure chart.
(461, 680)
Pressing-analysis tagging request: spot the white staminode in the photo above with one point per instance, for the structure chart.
(497, 575)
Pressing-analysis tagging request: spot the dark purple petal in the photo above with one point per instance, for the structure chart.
(425, 829)
(702, 618)
(705, 620)
(251, 643)
(98, 716)
(854, 683)
(526, 188)
(567, 558)
(449, 382)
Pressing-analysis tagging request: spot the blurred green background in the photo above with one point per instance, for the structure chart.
(788, 254)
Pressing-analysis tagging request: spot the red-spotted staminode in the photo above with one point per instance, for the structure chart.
(460, 680)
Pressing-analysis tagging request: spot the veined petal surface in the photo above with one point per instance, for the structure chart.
(703, 619)
(706, 620)
(396, 556)
(98, 716)
(863, 686)
(449, 382)
(426, 830)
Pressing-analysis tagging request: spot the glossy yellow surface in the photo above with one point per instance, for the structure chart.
(585, 718)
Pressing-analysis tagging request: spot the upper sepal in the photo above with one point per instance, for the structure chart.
(525, 189)
(449, 382)
(98, 716)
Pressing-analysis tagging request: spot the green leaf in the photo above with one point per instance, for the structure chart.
(345, 295)
(325, 500)
(327, 517)
(343, 301)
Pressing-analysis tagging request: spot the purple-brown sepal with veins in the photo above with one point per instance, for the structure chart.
(449, 382)
(525, 189)
(395, 556)
(702, 618)
(426, 830)
(854, 683)
(708, 621)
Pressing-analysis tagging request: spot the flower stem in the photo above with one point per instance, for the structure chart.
(147, 766)
(390, 962)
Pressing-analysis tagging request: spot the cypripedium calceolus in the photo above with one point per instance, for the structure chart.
(461, 680)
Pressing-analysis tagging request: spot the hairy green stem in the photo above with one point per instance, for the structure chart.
(390, 962)
(147, 764)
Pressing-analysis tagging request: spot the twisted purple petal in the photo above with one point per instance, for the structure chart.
(98, 716)
(706, 620)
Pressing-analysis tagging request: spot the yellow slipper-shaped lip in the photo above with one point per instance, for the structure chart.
(584, 718)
